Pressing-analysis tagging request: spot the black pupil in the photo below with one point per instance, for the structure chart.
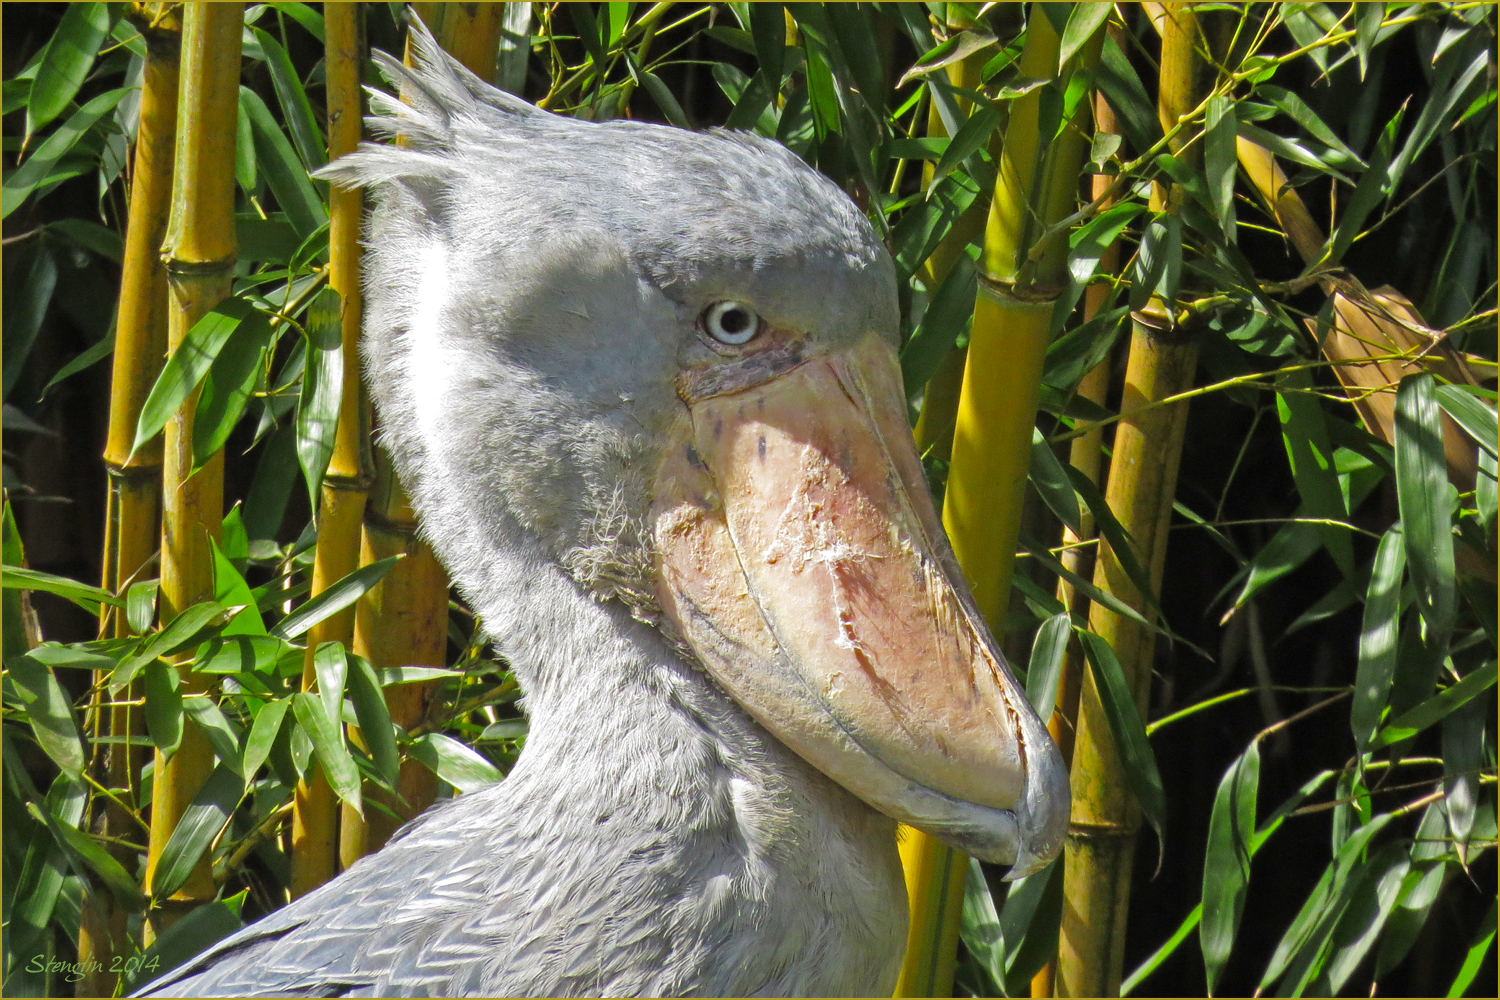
(733, 321)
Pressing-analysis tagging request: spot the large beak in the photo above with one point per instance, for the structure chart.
(801, 559)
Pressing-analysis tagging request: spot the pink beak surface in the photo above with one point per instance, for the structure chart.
(801, 560)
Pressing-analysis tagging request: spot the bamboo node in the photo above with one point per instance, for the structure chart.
(1011, 293)
(1080, 830)
(1162, 327)
(199, 268)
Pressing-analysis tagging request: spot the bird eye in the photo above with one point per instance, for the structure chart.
(731, 322)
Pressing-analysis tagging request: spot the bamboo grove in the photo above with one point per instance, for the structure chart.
(1199, 344)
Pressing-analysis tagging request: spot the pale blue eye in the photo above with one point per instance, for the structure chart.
(731, 322)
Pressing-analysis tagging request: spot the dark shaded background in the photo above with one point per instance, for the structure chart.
(62, 524)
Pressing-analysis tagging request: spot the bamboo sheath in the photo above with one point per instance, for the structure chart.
(341, 508)
(1372, 325)
(133, 503)
(1036, 185)
(1142, 482)
(1086, 454)
(200, 256)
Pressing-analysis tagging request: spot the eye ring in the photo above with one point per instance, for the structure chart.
(731, 322)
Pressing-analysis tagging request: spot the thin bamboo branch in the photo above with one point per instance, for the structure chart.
(1141, 485)
(133, 503)
(350, 469)
(200, 251)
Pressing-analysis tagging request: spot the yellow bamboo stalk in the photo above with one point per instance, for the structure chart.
(1142, 482)
(934, 430)
(1086, 454)
(341, 507)
(133, 503)
(200, 254)
(1036, 186)
(402, 621)
(469, 32)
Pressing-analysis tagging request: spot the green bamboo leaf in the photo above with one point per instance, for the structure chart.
(1379, 638)
(1446, 99)
(1030, 922)
(228, 385)
(1220, 160)
(588, 32)
(662, 95)
(948, 315)
(28, 293)
(751, 97)
(140, 605)
(87, 856)
(1419, 890)
(1310, 455)
(972, 136)
(1476, 418)
(222, 735)
(49, 711)
(822, 95)
(1365, 917)
(243, 654)
(44, 866)
(768, 31)
(1422, 492)
(1129, 734)
(1072, 355)
(1434, 709)
(186, 938)
(1044, 671)
(66, 62)
(1322, 908)
(322, 390)
(41, 165)
(1262, 834)
(246, 170)
(455, 763)
(328, 743)
(1122, 87)
(163, 706)
(1121, 544)
(92, 237)
(1083, 21)
(1158, 264)
(980, 928)
(304, 15)
(1367, 24)
(335, 599)
(410, 675)
(1226, 861)
(201, 822)
(188, 366)
(1479, 947)
(1373, 186)
(296, 109)
(231, 590)
(1299, 111)
(263, 732)
(1332, 164)
(1052, 483)
(87, 597)
(1463, 764)
(283, 169)
(185, 628)
(374, 718)
(330, 666)
(101, 349)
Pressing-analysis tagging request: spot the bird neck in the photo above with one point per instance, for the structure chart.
(639, 767)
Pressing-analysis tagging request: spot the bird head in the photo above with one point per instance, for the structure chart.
(667, 361)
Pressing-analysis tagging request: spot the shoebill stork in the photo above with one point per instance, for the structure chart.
(642, 386)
